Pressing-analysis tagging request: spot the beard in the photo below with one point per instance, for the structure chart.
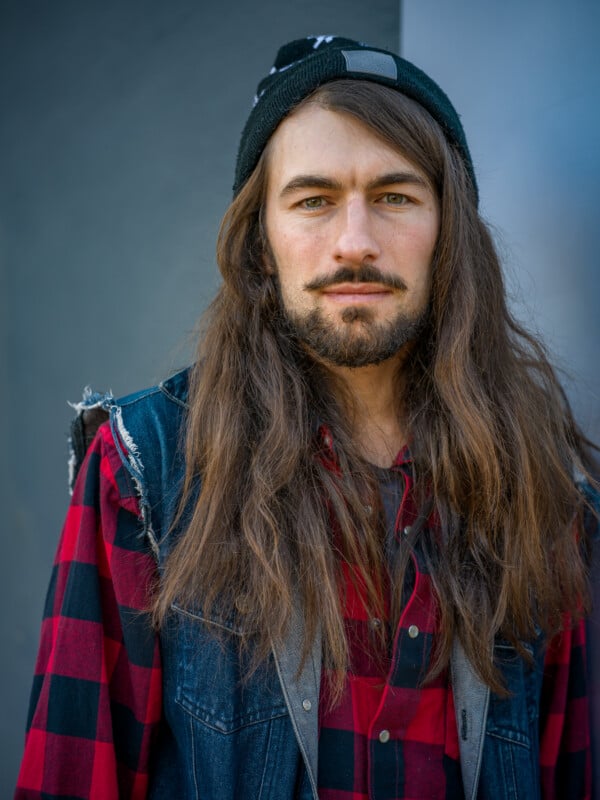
(358, 341)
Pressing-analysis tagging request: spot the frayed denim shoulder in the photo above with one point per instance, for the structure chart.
(146, 428)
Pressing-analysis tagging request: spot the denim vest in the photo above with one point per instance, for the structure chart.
(227, 737)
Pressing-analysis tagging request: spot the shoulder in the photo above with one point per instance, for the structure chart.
(145, 432)
(148, 429)
(150, 421)
(141, 437)
(173, 390)
(155, 412)
(148, 426)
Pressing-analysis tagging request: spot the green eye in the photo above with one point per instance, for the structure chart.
(313, 202)
(395, 198)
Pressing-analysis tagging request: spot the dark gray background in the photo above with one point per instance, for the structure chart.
(119, 126)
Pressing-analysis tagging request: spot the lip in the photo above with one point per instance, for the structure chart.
(356, 292)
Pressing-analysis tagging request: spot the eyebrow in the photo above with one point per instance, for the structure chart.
(322, 182)
(392, 178)
(309, 182)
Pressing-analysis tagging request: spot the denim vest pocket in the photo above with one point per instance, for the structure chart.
(231, 737)
(214, 683)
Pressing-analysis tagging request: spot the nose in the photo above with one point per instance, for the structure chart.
(356, 240)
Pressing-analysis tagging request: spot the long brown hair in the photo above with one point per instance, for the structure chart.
(492, 438)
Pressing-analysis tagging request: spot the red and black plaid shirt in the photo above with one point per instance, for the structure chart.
(97, 697)
(388, 738)
(96, 703)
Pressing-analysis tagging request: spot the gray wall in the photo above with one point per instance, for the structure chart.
(525, 77)
(120, 122)
(119, 126)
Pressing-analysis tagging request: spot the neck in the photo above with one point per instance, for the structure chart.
(372, 395)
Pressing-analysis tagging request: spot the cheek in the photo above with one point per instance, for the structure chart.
(291, 291)
(299, 252)
(296, 259)
(421, 239)
(285, 250)
(417, 251)
(417, 255)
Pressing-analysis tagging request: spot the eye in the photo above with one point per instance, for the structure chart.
(395, 199)
(311, 203)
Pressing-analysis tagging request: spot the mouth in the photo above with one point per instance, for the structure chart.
(356, 292)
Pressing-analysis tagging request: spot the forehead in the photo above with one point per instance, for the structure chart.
(318, 140)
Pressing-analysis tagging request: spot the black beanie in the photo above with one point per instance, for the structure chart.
(303, 65)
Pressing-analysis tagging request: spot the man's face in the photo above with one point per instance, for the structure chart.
(352, 226)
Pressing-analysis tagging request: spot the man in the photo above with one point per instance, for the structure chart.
(354, 522)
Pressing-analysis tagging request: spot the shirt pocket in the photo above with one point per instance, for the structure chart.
(214, 680)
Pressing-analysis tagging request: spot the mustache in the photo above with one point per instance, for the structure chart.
(366, 273)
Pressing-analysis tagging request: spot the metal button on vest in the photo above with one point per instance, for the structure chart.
(306, 705)
(368, 510)
(384, 736)
(407, 530)
(413, 631)
(376, 623)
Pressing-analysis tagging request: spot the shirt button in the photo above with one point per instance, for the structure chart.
(384, 736)
(376, 623)
(408, 530)
(306, 705)
(413, 631)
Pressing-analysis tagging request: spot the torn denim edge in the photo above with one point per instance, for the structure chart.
(130, 456)
(126, 447)
(89, 400)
